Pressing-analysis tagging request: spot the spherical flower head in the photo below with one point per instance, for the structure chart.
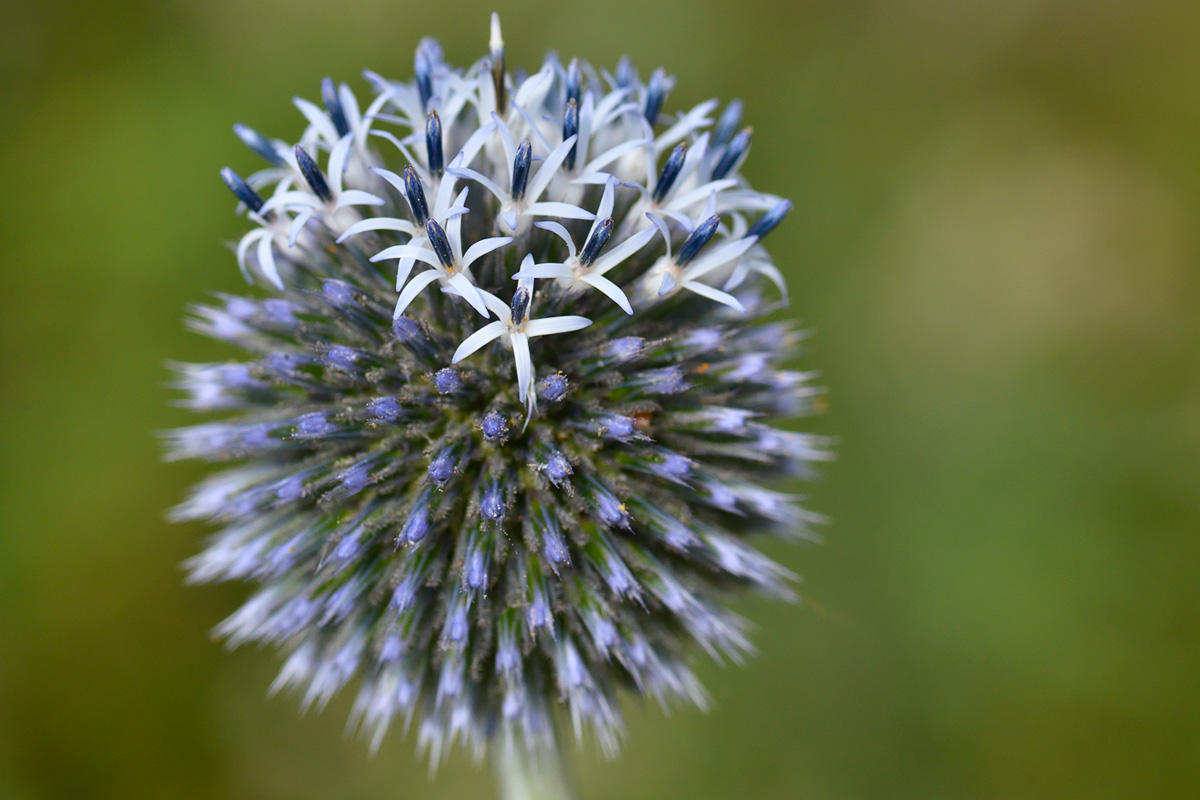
(505, 422)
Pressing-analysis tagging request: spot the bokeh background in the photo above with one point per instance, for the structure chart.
(995, 242)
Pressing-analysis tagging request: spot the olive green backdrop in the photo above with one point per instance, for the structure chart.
(994, 240)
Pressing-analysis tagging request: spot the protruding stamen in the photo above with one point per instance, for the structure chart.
(496, 46)
(241, 190)
(625, 75)
(416, 196)
(423, 71)
(571, 128)
(573, 81)
(655, 93)
(700, 237)
(520, 305)
(596, 242)
(334, 106)
(313, 175)
(439, 242)
(433, 144)
(521, 169)
(727, 124)
(767, 222)
(259, 144)
(670, 171)
(737, 148)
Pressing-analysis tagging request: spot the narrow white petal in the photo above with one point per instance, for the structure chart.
(404, 151)
(478, 339)
(357, 197)
(266, 262)
(496, 305)
(612, 154)
(552, 325)
(244, 245)
(482, 248)
(453, 226)
(609, 288)
(662, 228)
(701, 193)
(548, 168)
(718, 257)
(545, 271)
(337, 162)
(524, 362)
(408, 251)
(714, 294)
(378, 224)
(317, 118)
(624, 250)
(469, 292)
(533, 127)
(413, 288)
(474, 144)
(484, 181)
(558, 230)
(294, 199)
(510, 147)
(563, 210)
(696, 118)
(298, 224)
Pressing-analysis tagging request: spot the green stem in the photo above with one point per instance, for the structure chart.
(523, 775)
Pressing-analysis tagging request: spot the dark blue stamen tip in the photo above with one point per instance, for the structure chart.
(737, 148)
(700, 237)
(439, 242)
(571, 128)
(655, 94)
(241, 190)
(768, 221)
(520, 305)
(521, 169)
(423, 70)
(670, 171)
(625, 74)
(573, 81)
(259, 144)
(596, 242)
(416, 196)
(334, 106)
(727, 124)
(312, 173)
(433, 143)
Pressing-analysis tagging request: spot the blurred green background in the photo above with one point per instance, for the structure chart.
(995, 242)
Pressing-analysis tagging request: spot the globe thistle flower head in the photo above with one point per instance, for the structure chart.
(505, 420)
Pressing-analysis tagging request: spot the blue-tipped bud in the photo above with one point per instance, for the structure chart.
(340, 357)
(260, 145)
(439, 243)
(520, 305)
(520, 176)
(339, 293)
(314, 425)
(768, 221)
(733, 154)
(241, 190)
(655, 94)
(386, 409)
(574, 80)
(447, 380)
(492, 505)
(313, 175)
(333, 105)
(625, 74)
(616, 426)
(626, 348)
(596, 242)
(355, 479)
(433, 144)
(441, 468)
(423, 73)
(670, 171)
(414, 530)
(727, 124)
(415, 193)
(558, 468)
(494, 426)
(697, 240)
(552, 388)
(571, 128)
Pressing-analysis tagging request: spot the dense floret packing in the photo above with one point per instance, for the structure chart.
(505, 427)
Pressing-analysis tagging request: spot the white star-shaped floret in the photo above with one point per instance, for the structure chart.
(588, 266)
(514, 329)
(443, 251)
(685, 269)
(520, 203)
